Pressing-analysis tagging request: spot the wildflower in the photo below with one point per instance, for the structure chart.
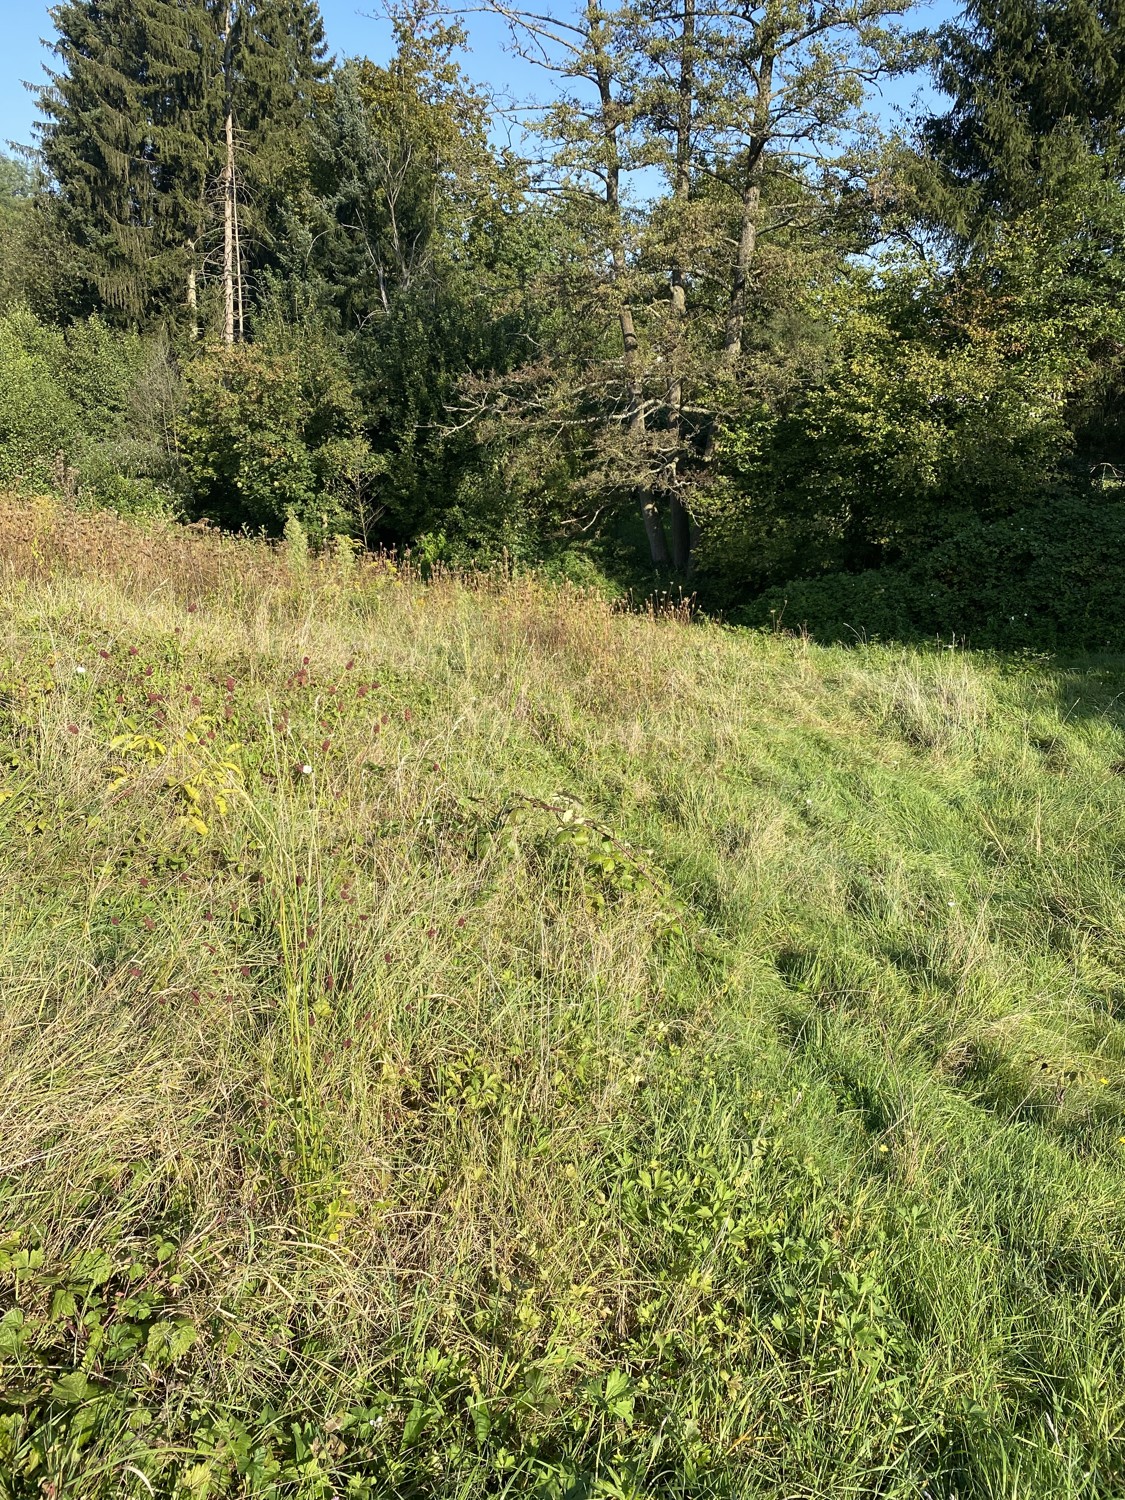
(431, 933)
(349, 665)
(305, 662)
(306, 770)
(244, 971)
(81, 671)
(229, 684)
(325, 745)
(148, 924)
(132, 650)
(387, 957)
(1103, 1080)
(883, 1150)
(460, 921)
(300, 880)
(72, 728)
(115, 921)
(191, 609)
(104, 655)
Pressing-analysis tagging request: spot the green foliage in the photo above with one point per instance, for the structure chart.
(87, 411)
(1047, 575)
(266, 435)
(38, 421)
(938, 401)
(1036, 102)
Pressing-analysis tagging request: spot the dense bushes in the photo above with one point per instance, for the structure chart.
(87, 411)
(268, 434)
(37, 420)
(1049, 575)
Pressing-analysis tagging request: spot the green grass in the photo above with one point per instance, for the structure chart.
(638, 1060)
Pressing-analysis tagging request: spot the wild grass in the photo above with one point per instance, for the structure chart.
(459, 1041)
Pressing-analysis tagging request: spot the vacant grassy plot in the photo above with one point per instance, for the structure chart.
(463, 1042)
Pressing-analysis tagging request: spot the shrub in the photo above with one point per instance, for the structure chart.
(38, 420)
(88, 411)
(1048, 575)
(269, 434)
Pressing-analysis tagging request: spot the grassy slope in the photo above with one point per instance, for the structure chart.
(404, 1133)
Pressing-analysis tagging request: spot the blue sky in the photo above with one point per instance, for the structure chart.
(351, 30)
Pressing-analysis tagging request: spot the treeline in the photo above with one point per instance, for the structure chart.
(706, 324)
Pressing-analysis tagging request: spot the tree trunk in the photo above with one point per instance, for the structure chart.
(747, 248)
(228, 234)
(750, 215)
(240, 322)
(230, 188)
(646, 501)
(192, 292)
(681, 189)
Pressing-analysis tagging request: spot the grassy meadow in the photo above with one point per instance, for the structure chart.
(457, 1040)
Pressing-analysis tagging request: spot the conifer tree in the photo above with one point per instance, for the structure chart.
(1038, 98)
(170, 125)
(273, 57)
(124, 137)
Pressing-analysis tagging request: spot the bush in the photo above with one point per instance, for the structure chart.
(38, 420)
(272, 434)
(1047, 576)
(86, 410)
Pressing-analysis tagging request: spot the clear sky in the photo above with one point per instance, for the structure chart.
(352, 30)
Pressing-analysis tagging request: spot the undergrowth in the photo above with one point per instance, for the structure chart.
(459, 1041)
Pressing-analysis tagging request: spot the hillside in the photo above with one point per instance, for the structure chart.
(458, 1041)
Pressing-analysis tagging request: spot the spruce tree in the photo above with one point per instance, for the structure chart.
(124, 137)
(274, 57)
(1038, 101)
(168, 122)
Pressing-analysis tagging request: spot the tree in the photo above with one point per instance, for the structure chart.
(1036, 87)
(125, 138)
(161, 111)
(1033, 137)
(272, 59)
(413, 234)
(731, 103)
